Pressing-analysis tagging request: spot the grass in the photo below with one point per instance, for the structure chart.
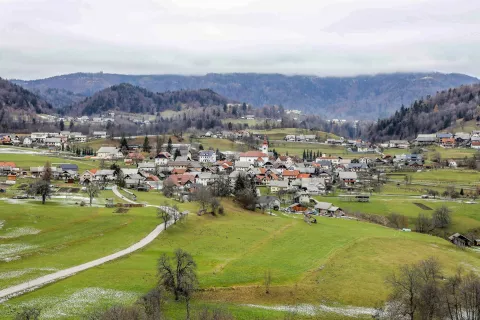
(25, 161)
(54, 236)
(335, 262)
(464, 216)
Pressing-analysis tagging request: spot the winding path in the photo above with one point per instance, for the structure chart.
(34, 284)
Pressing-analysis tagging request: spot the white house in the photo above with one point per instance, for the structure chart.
(252, 156)
(109, 153)
(207, 156)
(53, 142)
(80, 138)
(206, 178)
(27, 141)
(100, 134)
(38, 136)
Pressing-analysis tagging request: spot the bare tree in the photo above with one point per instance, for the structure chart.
(93, 191)
(423, 224)
(203, 196)
(267, 280)
(152, 303)
(441, 217)
(168, 188)
(164, 214)
(181, 278)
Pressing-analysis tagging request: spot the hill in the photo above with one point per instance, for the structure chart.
(360, 97)
(14, 98)
(59, 98)
(431, 115)
(133, 99)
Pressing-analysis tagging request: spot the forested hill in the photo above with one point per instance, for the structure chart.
(133, 99)
(429, 116)
(360, 97)
(14, 98)
(59, 98)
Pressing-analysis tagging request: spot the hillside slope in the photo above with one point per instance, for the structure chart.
(14, 98)
(133, 99)
(431, 115)
(360, 97)
(59, 98)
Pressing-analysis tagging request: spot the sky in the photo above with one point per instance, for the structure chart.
(42, 38)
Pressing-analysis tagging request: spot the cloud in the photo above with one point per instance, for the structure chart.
(40, 38)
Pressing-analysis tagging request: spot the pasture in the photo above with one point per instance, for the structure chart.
(337, 262)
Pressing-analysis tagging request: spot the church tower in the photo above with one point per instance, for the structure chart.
(265, 145)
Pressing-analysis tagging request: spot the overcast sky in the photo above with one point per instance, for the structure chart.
(41, 38)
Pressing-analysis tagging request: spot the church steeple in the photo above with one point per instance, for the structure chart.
(265, 145)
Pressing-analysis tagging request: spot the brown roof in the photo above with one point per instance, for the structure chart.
(255, 154)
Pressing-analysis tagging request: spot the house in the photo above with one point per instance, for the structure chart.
(426, 139)
(290, 137)
(452, 163)
(475, 144)
(104, 175)
(322, 207)
(7, 167)
(268, 202)
(38, 137)
(207, 156)
(206, 178)
(100, 134)
(243, 165)
(162, 158)
(87, 176)
(447, 142)
(297, 207)
(69, 167)
(53, 142)
(290, 175)
(253, 156)
(302, 197)
(357, 167)
(146, 167)
(460, 240)
(310, 137)
(276, 186)
(313, 186)
(400, 144)
(348, 177)
(27, 141)
(184, 181)
(109, 153)
(80, 138)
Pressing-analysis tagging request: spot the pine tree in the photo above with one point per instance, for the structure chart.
(304, 155)
(146, 145)
(169, 145)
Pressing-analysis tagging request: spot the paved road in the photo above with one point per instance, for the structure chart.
(34, 284)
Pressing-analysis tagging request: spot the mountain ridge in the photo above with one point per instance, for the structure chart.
(16, 99)
(360, 97)
(134, 99)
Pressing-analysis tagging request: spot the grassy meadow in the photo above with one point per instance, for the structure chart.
(336, 262)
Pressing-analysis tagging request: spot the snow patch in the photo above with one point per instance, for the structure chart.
(19, 232)
(18, 273)
(311, 310)
(10, 251)
(80, 302)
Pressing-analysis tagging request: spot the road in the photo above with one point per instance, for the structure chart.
(34, 284)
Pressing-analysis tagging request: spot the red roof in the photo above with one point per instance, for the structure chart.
(290, 173)
(303, 175)
(475, 143)
(93, 171)
(253, 154)
(181, 179)
(8, 164)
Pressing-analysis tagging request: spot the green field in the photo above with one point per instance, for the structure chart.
(336, 262)
(464, 216)
(25, 161)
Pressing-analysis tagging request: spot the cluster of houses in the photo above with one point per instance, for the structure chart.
(49, 139)
(445, 139)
